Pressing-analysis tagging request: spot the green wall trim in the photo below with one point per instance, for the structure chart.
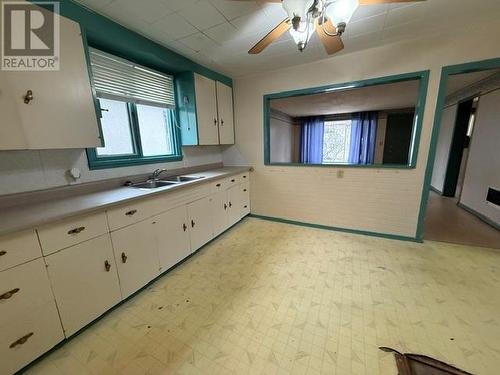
(337, 229)
(423, 76)
(109, 36)
(479, 215)
(68, 339)
(445, 72)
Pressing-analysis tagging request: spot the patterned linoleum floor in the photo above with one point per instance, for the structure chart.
(271, 298)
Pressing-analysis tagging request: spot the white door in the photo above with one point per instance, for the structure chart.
(62, 112)
(225, 112)
(206, 110)
(136, 254)
(218, 205)
(233, 202)
(85, 282)
(172, 233)
(200, 223)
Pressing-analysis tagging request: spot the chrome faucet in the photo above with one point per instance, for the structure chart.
(156, 174)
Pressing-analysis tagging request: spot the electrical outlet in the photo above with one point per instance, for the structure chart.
(340, 173)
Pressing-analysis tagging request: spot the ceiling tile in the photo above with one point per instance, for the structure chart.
(366, 25)
(222, 33)
(256, 23)
(177, 5)
(95, 4)
(146, 11)
(405, 14)
(199, 42)
(172, 27)
(202, 15)
(232, 9)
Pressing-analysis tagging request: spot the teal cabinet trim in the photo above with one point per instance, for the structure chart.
(107, 35)
(423, 76)
(441, 99)
(337, 229)
(186, 108)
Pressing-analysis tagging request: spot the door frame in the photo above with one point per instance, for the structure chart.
(446, 71)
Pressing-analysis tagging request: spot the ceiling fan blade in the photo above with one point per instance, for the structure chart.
(373, 2)
(332, 44)
(274, 34)
(261, 1)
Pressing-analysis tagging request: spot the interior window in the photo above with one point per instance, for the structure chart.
(115, 124)
(336, 141)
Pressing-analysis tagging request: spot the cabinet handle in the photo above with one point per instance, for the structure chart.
(2, 253)
(244, 176)
(184, 227)
(225, 206)
(21, 340)
(230, 205)
(131, 212)
(244, 189)
(233, 180)
(9, 294)
(218, 185)
(221, 122)
(192, 224)
(76, 230)
(124, 258)
(245, 206)
(215, 122)
(28, 97)
(107, 266)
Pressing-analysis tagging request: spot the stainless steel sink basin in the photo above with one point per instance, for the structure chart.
(178, 179)
(152, 184)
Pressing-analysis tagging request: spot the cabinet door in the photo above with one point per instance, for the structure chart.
(85, 282)
(172, 237)
(218, 205)
(11, 132)
(206, 111)
(233, 202)
(225, 112)
(62, 113)
(200, 223)
(136, 254)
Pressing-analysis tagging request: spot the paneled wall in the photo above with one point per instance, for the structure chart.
(371, 199)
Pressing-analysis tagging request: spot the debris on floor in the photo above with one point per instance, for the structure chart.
(417, 364)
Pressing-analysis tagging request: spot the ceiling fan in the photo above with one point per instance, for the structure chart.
(328, 18)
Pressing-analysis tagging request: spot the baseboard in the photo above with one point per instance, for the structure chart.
(338, 229)
(479, 215)
(435, 190)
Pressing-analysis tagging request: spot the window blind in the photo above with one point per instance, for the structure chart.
(117, 78)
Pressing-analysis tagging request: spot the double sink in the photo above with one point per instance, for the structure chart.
(156, 183)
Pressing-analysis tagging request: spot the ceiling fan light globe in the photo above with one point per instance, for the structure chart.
(341, 11)
(297, 8)
(302, 35)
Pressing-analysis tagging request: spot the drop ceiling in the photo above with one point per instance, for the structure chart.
(372, 98)
(218, 33)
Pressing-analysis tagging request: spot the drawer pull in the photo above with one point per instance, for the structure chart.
(233, 180)
(244, 189)
(76, 230)
(131, 212)
(184, 227)
(218, 185)
(245, 206)
(9, 294)
(244, 176)
(124, 258)
(107, 266)
(230, 205)
(2, 253)
(225, 206)
(21, 340)
(192, 223)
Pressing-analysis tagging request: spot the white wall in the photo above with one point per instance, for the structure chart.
(483, 163)
(22, 171)
(443, 146)
(282, 140)
(371, 199)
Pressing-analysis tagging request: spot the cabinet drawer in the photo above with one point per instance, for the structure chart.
(244, 177)
(57, 236)
(18, 248)
(233, 180)
(219, 185)
(131, 213)
(28, 336)
(23, 288)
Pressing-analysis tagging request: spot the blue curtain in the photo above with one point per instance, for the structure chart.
(311, 141)
(363, 132)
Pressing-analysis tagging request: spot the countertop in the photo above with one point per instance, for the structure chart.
(25, 216)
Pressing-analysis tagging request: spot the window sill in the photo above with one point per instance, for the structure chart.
(340, 165)
(118, 163)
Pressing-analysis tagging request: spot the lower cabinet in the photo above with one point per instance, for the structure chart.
(136, 255)
(84, 281)
(200, 223)
(244, 199)
(172, 237)
(233, 203)
(29, 323)
(218, 206)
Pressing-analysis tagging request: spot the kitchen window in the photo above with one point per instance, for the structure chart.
(138, 119)
(336, 141)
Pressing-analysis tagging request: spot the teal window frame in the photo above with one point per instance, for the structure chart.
(137, 158)
(423, 76)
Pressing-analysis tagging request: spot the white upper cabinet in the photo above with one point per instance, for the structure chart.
(206, 110)
(225, 113)
(61, 113)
